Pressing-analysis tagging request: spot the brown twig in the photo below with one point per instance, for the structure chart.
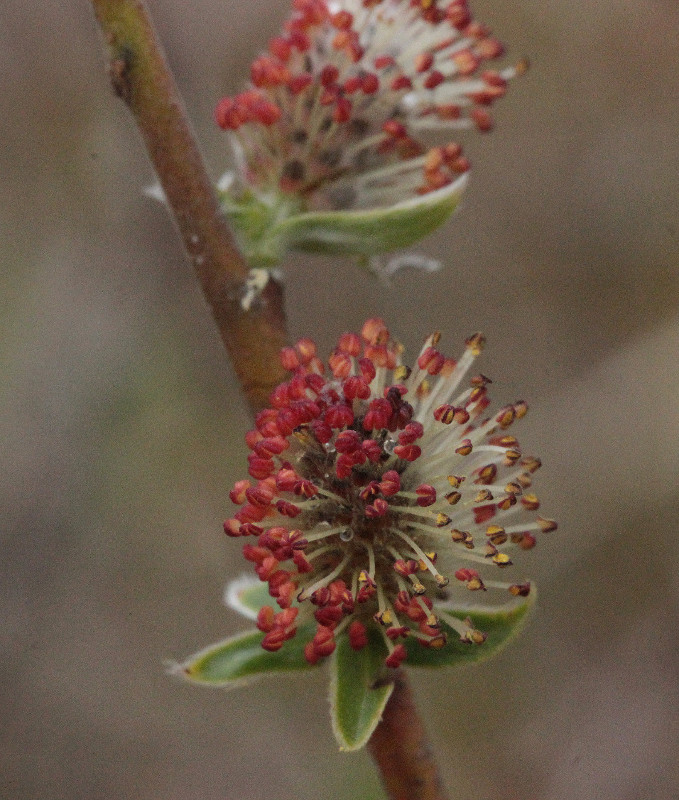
(401, 749)
(141, 77)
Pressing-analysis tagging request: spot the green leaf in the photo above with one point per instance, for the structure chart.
(241, 658)
(270, 225)
(370, 231)
(358, 691)
(501, 625)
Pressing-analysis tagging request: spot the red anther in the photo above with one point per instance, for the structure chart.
(226, 114)
(300, 561)
(279, 47)
(396, 657)
(255, 554)
(286, 479)
(394, 129)
(342, 111)
(490, 48)
(378, 414)
(350, 344)
(342, 20)
(265, 422)
(286, 421)
(372, 450)
(250, 529)
(526, 541)
(411, 433)
(458, 15)
(482, 119)
(267, 568)
(260, 495)
(390, 483)
(426, 495)
(274, 640)
(339, 416)
(280, 396)
(278, 579)
(237, 494)
(355, 387)
(367, 369)
(328, 616)
(252, 437)
(466, 62)
(466, 574)
(405, 568)
(265, 618)
(321, 430)
(431, 360)
(287, 509)
(298, 83)
(369, 492)
(423, 62)
(347, 461)
(374, 331)
(378, 509)
(340, 363)
(232, 527)
(358, 636)
(401, 83)
(434, 79)
(305, 488)
(397, 632)
(267, 72)
(249, 513)
(382, 62)
(408, 452)
(285, 594)
(484, 513)
(306, 349)
(310, 653)
(324, 641)
(370, 83)
(286, 617)
(348, 442)
(352, 84)
(299, 40)
(321, 597)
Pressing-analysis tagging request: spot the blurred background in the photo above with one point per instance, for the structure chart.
(122, 426)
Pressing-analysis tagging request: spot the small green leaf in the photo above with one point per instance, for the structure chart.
(369, 231)
(267, 226)
(241, 658)
(358, 691)
(501, 625)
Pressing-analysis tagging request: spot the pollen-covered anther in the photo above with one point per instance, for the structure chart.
(496, 534)
(547, 525)
(463, 537)
(471, 578)
(519, 589)
(396, 657)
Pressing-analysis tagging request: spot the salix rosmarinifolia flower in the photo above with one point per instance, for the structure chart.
(380, 501)
(346, 140)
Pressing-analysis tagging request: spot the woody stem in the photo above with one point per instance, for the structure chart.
(141, 78)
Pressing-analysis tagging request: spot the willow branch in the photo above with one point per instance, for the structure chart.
(401, 749)
(141, 78)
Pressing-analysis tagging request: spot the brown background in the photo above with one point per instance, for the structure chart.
(122, 425)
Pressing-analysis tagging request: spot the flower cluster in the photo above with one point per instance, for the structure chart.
(340, 105)
(378, 494)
